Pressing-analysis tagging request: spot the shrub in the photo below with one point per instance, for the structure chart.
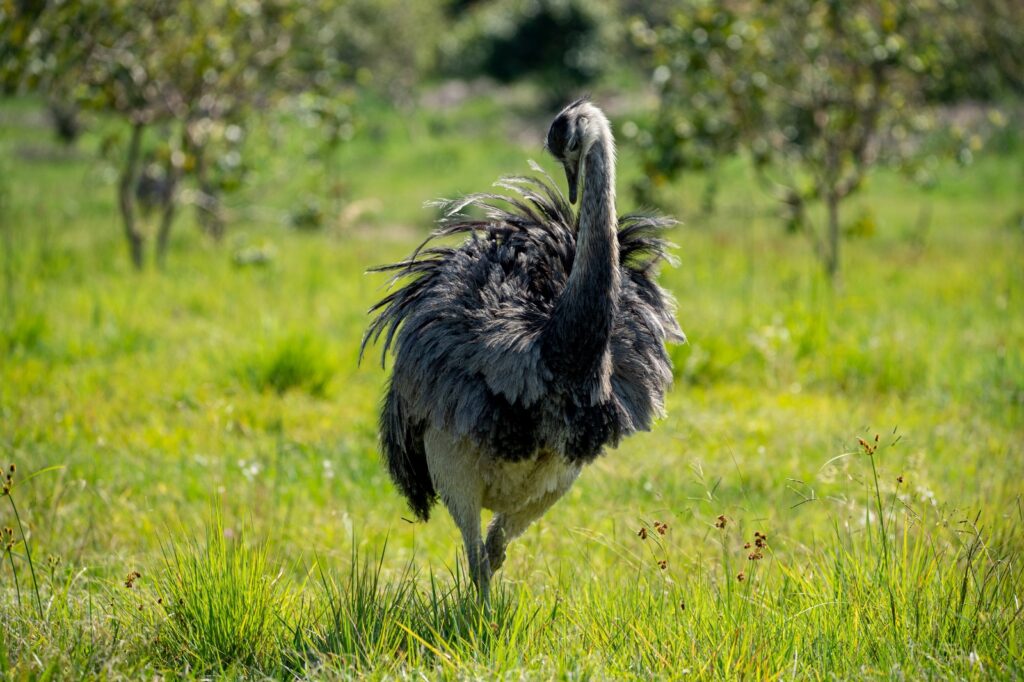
(558, 43)
(221, 604)
(297, 361)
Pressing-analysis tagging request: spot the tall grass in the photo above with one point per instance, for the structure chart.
(217, 604)
(369, 622)
(893, 590)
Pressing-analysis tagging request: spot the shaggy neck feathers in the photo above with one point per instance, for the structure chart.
(582, 321)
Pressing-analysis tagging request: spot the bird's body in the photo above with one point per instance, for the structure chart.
(525, 351)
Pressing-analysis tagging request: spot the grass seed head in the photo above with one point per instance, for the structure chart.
(741, 576)
(642, 533)
(869, 448)
(130, 579)
(721, 521)
(663, 564)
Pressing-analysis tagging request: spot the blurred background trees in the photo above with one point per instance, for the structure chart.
(186, 73)
(817, 92)
(560, 44)
(813, 93)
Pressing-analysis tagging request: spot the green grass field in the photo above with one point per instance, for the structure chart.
(208, 428)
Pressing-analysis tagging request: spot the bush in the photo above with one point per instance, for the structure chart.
(559, 43)
(298, 361)
(220, 604)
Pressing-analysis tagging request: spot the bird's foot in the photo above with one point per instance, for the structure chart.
(496, 559)
(495, 549)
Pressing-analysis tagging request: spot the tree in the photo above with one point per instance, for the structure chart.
(185, 76)
(817, 92)
(185, 67)
(560, 44)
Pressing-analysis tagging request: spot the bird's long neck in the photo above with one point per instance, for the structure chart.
(583, 317)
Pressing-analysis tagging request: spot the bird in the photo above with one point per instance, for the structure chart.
(524, 352)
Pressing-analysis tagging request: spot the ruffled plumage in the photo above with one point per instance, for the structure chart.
(465, 324)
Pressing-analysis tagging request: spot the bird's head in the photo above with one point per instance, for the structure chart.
(571, 135)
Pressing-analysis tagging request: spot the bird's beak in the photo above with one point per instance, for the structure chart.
(570, 177)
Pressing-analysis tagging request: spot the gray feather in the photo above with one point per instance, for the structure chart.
(467, 329)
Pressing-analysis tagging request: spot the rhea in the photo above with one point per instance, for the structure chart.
(525, 351)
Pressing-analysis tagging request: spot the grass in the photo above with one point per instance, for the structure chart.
(229, 382)
(296, 361)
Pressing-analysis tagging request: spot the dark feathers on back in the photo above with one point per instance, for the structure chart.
(465, 327)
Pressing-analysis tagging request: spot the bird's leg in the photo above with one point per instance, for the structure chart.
(497, 541)
(468, 521)
(454, 469)
(504, 528)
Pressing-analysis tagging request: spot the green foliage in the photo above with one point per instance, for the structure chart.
(385, 46)
(307, 217)
(977, 53)
(562, 44)
(193, 72)
(815, 92)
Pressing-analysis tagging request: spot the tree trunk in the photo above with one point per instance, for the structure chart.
(66, 123)
(832, 247)
(167, 219)
(126, 196)
(208, 207)
(710, 194)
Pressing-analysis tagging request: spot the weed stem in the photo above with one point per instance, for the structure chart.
(28, 553)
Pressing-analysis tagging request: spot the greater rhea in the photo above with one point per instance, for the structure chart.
(524, 352)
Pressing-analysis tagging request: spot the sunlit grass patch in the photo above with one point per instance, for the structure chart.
(356, 624)
(23, 333)
(368, 621)
(297, 361)
(215, 603)
(896, 588)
